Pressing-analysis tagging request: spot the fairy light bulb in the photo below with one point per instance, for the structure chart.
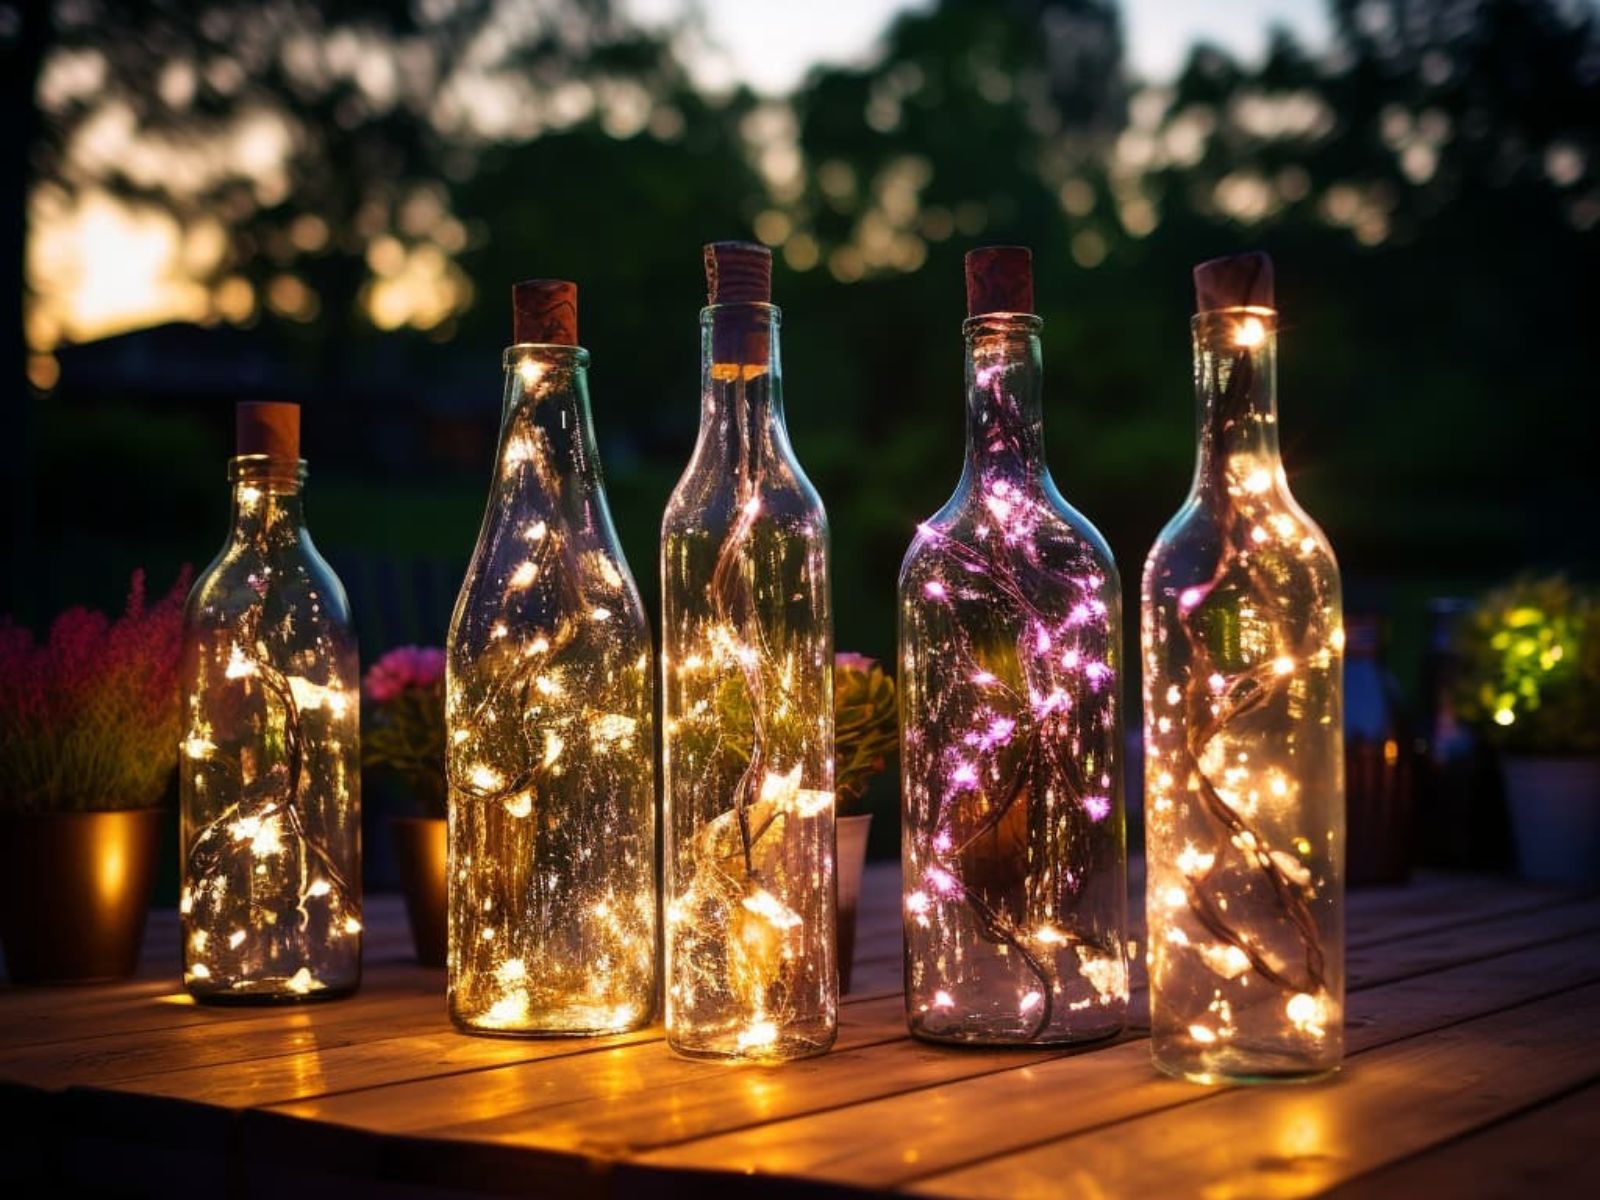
(1011, 773)
(1244, 765)
(550, 741)
(747, 676)
(270, 783)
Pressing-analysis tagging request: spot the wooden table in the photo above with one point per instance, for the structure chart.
(1474, 1069)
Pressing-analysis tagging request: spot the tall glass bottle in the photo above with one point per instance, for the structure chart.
(550, 755)
(1010, 727)
(1244, 761)
(270, 783)
(747, 680)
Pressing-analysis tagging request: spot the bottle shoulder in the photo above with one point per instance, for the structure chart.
(286, 572)
(711, 500)
(1035, 522)
(1206, 529)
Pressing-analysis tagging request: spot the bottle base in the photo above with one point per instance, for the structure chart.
(544, 1032)
(1243, 1071)
(271, 995)
(732, 1049)
(986, 1039)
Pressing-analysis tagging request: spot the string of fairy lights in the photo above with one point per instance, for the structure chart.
(267, 903)
(1243, 831)
(1014, 897)
(747, 921)
(1010, 738)
(550, 754)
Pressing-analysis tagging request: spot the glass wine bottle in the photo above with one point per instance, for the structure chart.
(550, 753)
(747, 735)
(270, 785)
(1243, 645)
(1011, 733)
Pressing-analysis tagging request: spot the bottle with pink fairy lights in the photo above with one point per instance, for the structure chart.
(1010, 721)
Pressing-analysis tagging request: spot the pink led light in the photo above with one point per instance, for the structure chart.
(1098, 807)
(999, 733)
(934, 590)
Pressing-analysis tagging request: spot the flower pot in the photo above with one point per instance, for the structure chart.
(1555, 818)
(74, 893)
(851, 833)
(421, 850)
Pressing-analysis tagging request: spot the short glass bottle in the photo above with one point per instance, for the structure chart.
(550, 750)
(747, 682)
(270, 781)
(1244, 760)
(1013, 843)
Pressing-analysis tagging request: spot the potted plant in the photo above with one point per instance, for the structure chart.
(404, 735)
(866, 733)
(89, 726)
(1531, 679)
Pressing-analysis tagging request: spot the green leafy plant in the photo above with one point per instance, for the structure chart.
(1531, 667)
(89, 717)
(404, 732)
(866, 726)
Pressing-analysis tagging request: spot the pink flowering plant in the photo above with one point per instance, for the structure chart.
(404, 733)
(89, 717)
(865, 725)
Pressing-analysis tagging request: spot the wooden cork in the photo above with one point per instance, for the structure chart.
(267, 427)
(738, 273)
(999, 280)
(544, 312)
(1236, 281)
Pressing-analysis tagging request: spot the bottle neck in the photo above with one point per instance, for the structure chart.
(1005, 414)
(1236, 382)
(266, 496)
(741, 387)
(546, 438)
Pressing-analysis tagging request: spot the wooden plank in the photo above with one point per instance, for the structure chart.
(1387, 1104)
(177, 1067)
(156, 1000)
(943, 1127)
(638, 1098)
(1436, 951)
(436, 1104)
(1551, 1150)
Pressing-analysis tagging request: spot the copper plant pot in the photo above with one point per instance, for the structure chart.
(421, 850)
(851, 833)
(74, 893)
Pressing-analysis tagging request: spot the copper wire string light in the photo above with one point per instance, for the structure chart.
(1010, 618)
(1243, 645)
(550, 746)
(747, 669)
(270, 783)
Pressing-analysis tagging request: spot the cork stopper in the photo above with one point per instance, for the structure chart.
(544, 312)
(738, 273)
(1236, 281)
(267, 427)
(999, 280)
